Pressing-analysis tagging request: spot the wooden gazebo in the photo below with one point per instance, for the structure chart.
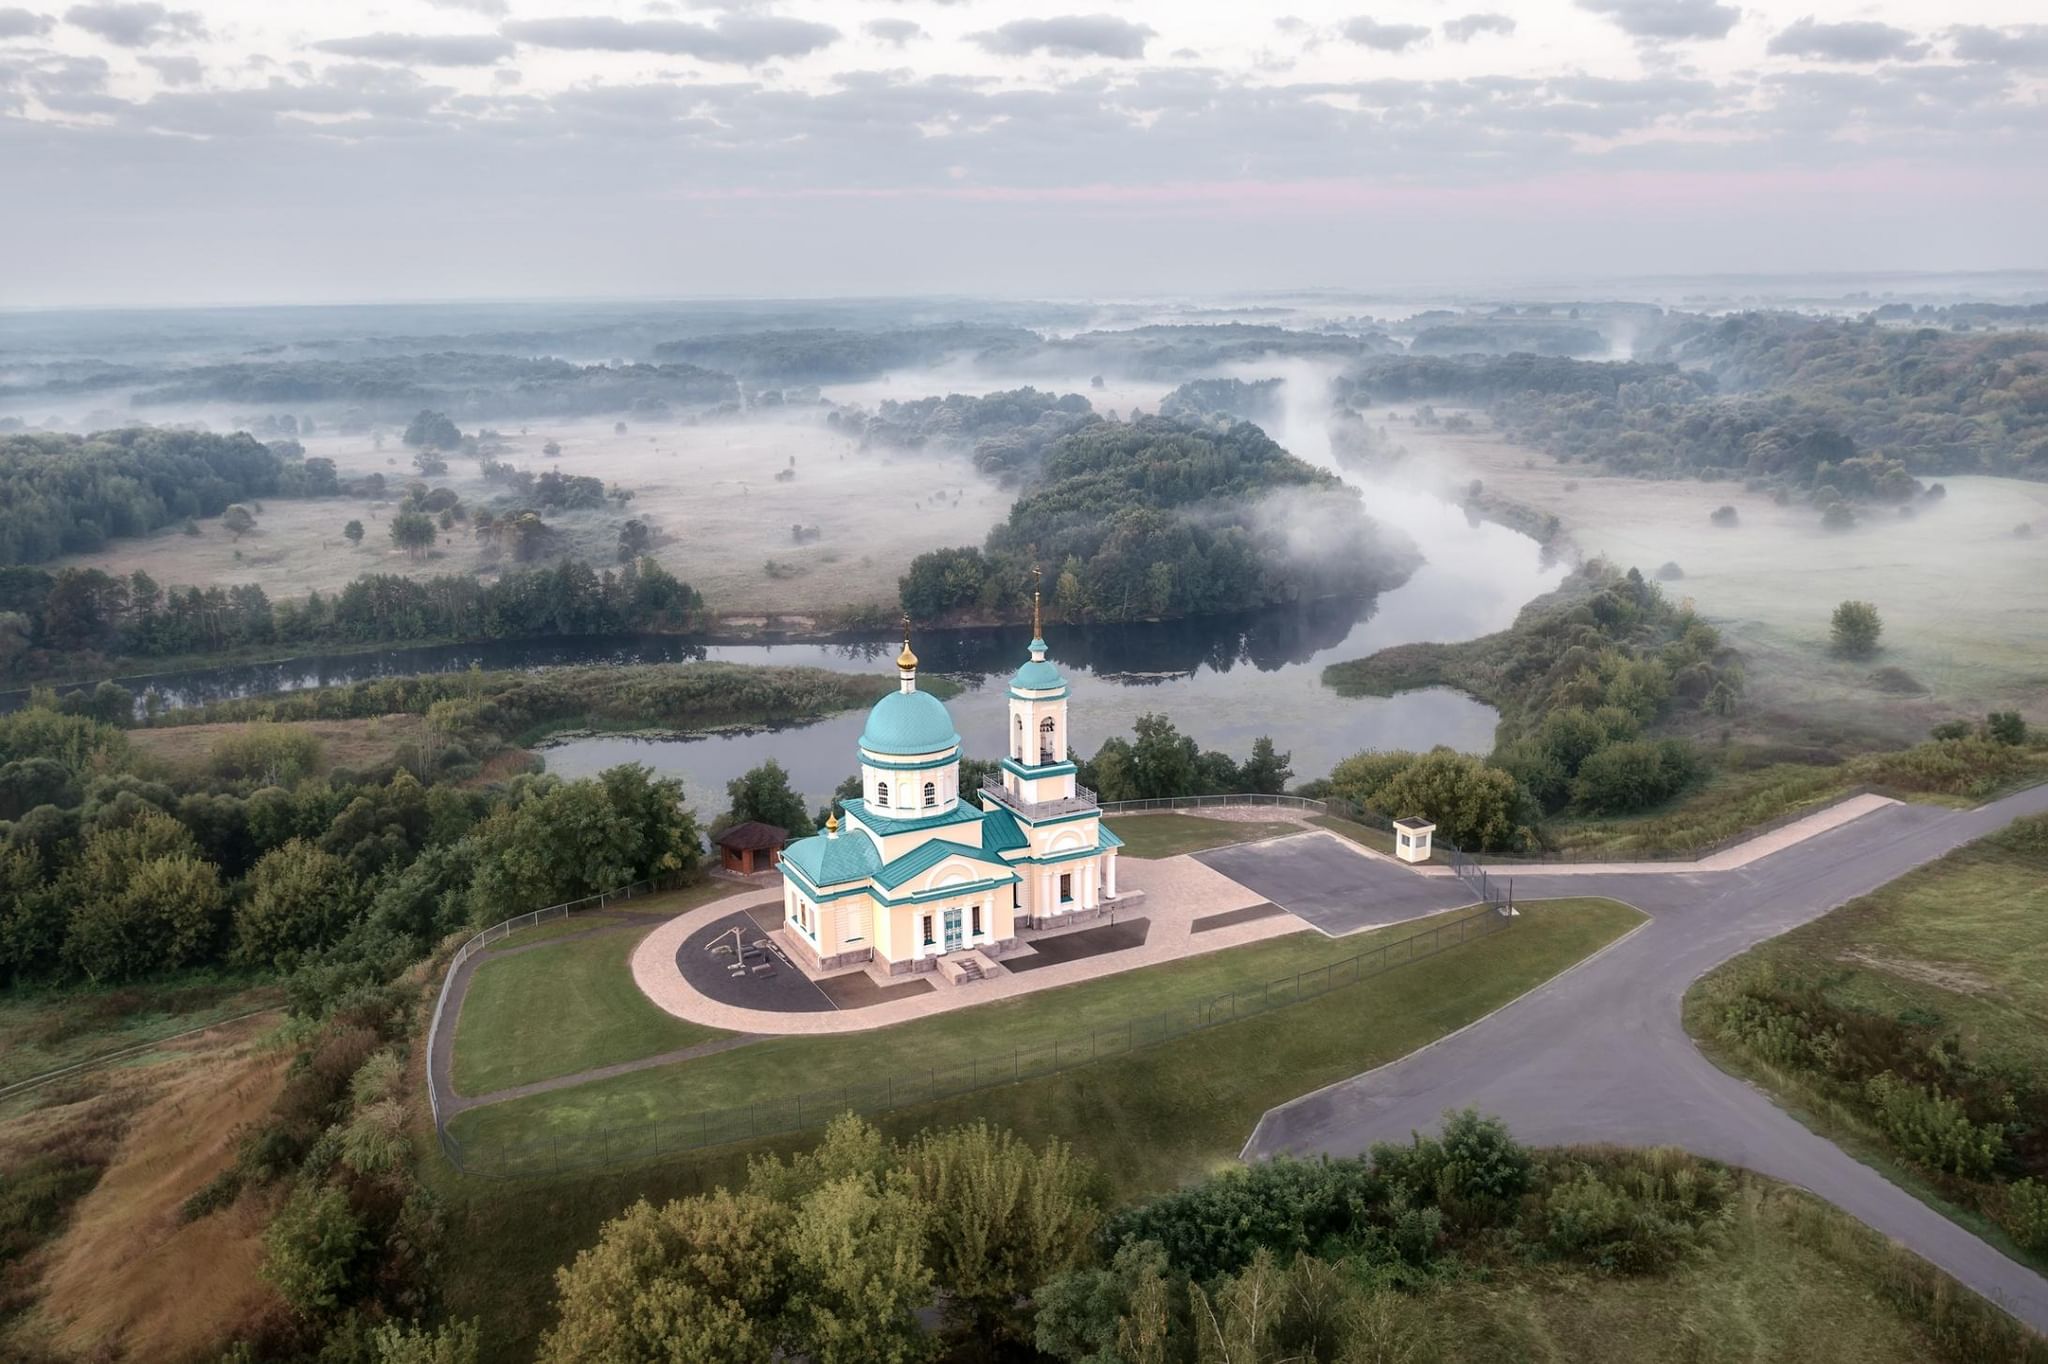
(750, 847)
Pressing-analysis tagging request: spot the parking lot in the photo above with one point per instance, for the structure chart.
(1328, 883)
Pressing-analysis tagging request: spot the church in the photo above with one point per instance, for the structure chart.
(920, 869)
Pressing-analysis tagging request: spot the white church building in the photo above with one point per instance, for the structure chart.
(919, 868)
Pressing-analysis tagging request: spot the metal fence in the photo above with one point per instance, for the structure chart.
(495, 933)
(605, 1143)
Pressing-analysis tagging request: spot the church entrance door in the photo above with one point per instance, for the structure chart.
(953, 938)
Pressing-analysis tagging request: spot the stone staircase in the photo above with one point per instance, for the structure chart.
(964, 968)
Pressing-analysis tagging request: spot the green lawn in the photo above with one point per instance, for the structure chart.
(664, 906)
(1155, 836)
(560, 1009)
(1160, 1113)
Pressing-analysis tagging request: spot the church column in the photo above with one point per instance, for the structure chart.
(1109, 872)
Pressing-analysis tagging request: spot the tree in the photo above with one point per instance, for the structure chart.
(635, 539)
(433, 431)
(1005, 1218)
(1266, 772)
(1632, 775)
(238, 520)
(551, 449)
(457, 1342)
(413, 532)
(1855, 628)
(2006, 727)
(430, 464)
(858, 1275)
(300, 899)
(700, 1279)
(1472, 805)
(138, 899)
(763, 794)
(353, 532)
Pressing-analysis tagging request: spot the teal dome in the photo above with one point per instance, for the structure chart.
(1037, 675)
(905, 723)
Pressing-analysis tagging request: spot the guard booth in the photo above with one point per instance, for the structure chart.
(1412, 838)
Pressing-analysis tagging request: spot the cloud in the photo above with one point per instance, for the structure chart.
(20, 23)
(742, 39)
(1384, 37)
(2024, 45)
(176, 70)
(136, 25)
(1073, 35)
(893, 31)
(1862, 41)
(423, 49)
(490, 9)
(1667, 20)
(1470, 26)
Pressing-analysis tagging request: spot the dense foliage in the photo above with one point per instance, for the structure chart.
(1157, 518)
(1158, 761)
(67, 619)
(71, 494)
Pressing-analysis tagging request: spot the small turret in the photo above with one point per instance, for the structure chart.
(906, 662)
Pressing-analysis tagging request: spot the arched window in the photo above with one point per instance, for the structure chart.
(931, 794)
(881, 793)
(1019, 753)
(1045, 739)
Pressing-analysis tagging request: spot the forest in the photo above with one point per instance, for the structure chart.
(823, 355)
(67, 494)
(1158, 518)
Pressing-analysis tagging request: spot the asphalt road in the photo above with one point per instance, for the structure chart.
(1599, 1055)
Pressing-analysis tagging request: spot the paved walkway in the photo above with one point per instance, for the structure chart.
(1178, 890)
(1598, 1054)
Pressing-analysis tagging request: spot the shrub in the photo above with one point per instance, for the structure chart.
(267, 754)
(2025, 1214)
(2027, 834)
(457, 1342)
(1669, 572)
(1632, 775)
(1932, 1130)
(1724, 515)
(1283, 1205)
(311, 1247)
(1951, 729)
(1954, 767)
(1635, 1213)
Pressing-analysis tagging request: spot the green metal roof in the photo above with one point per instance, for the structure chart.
(999, 831)
(886, 820)
(834, 861)
(1037, 675)
(1107, 839)
(904, 723)
(925, 856)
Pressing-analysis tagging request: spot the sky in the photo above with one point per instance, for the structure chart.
(289, 151)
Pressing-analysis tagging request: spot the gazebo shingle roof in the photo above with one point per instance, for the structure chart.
(752, 835)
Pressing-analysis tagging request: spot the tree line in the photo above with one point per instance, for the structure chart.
(65, 619)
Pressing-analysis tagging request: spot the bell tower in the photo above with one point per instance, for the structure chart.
(1035, 766)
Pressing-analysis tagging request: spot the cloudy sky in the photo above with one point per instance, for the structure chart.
(287, 150)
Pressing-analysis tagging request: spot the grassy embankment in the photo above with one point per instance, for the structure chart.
(1940, 980)
(589, 1011)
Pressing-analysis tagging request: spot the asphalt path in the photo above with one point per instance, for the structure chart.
(1599, 1054)
(1327, 882)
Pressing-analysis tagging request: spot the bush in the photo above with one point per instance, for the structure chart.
(1633, 775)
(1724, 515)
(1636, 1213)
(1932, 1130)
(2025, 1214)
(2027, 834)
(1282, 1205)
(1953, 767)
(267, 754)
(310, 1249)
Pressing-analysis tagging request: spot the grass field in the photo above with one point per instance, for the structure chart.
(1958, 949)
(1190, 1099)
(558, 1009)
(369, 742)
(1165, 835)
